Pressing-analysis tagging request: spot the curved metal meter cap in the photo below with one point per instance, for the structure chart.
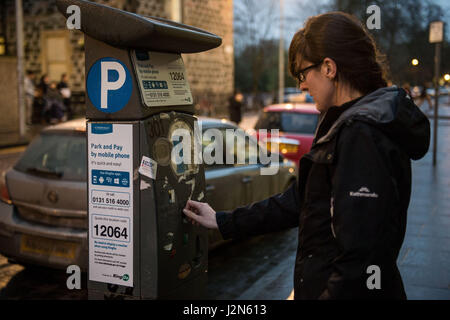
(129, 30)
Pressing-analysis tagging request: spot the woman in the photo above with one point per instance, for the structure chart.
(353, 190)
(425, 96)
(235, 107)
(64, 90)
(54, 104)
(44, 83)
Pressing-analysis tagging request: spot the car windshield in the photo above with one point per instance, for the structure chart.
(56, 155)
(292, 122)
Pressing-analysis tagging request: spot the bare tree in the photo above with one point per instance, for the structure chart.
(403, 33)
(255, 21)
(300, 10)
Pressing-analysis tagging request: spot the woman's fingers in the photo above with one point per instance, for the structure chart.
(193, 205)
(192, 215)
(192, 210)
(200, 213)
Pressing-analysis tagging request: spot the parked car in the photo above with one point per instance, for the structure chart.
(297, 124)
(295, 95)
(443, 91)
(43, 212)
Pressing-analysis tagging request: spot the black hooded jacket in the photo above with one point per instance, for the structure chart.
(351, 199)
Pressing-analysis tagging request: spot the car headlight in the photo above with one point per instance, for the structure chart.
(284, 148)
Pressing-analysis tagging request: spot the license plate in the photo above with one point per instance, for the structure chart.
(48, 247)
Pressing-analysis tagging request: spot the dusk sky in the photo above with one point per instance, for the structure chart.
(290, 9)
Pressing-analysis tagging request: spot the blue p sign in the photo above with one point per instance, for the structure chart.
(109, 85)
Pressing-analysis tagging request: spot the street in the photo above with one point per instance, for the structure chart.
(262, 267)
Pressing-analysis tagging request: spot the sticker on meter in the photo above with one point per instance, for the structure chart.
(110, 186)
(110, 228)
(162, 78)
(148, 167)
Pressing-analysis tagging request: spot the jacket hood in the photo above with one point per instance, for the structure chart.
(394, 112)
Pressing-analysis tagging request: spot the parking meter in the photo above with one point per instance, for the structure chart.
(138, 99)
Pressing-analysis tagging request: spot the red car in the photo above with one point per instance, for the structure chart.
(297, 123)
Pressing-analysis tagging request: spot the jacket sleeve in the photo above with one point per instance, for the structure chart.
(363, 198)
(276, 213)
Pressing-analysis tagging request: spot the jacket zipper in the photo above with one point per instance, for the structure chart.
(332, 213)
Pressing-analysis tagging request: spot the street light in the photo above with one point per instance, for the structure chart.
(447, 77)
(414, 62)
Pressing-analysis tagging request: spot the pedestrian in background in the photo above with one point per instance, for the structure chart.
(425, 96)
(29, 95)
(54, 106)
(407, 87)
(351, 198)
(44, 83)
(235, 107)
(38, 106)
(66, 94)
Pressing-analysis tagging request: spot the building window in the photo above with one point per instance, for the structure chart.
(55, 53)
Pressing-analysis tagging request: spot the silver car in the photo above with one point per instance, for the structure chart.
(43, 212)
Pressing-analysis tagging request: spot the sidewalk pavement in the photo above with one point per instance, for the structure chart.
(424, 260)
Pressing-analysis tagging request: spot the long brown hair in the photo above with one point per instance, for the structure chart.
(341, 37)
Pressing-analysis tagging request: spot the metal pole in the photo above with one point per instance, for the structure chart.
(20, 68)
(437, 64)
(281, 57)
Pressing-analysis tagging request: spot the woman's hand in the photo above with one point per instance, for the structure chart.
(201, 213)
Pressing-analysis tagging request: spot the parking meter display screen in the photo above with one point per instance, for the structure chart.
(162, 78)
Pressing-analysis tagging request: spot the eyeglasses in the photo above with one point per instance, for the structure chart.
(301, 74)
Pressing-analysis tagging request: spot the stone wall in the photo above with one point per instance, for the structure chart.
(39, 16)
(9, 119)
(210, 73)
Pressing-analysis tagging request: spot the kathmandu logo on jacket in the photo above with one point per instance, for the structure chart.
(363, 192)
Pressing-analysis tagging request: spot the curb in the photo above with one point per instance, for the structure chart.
(15, 144)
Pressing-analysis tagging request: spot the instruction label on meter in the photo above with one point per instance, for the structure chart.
(110, 165)
(162, 78)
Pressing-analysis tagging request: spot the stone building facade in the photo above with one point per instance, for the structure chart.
(50, 48)
(9, 116)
